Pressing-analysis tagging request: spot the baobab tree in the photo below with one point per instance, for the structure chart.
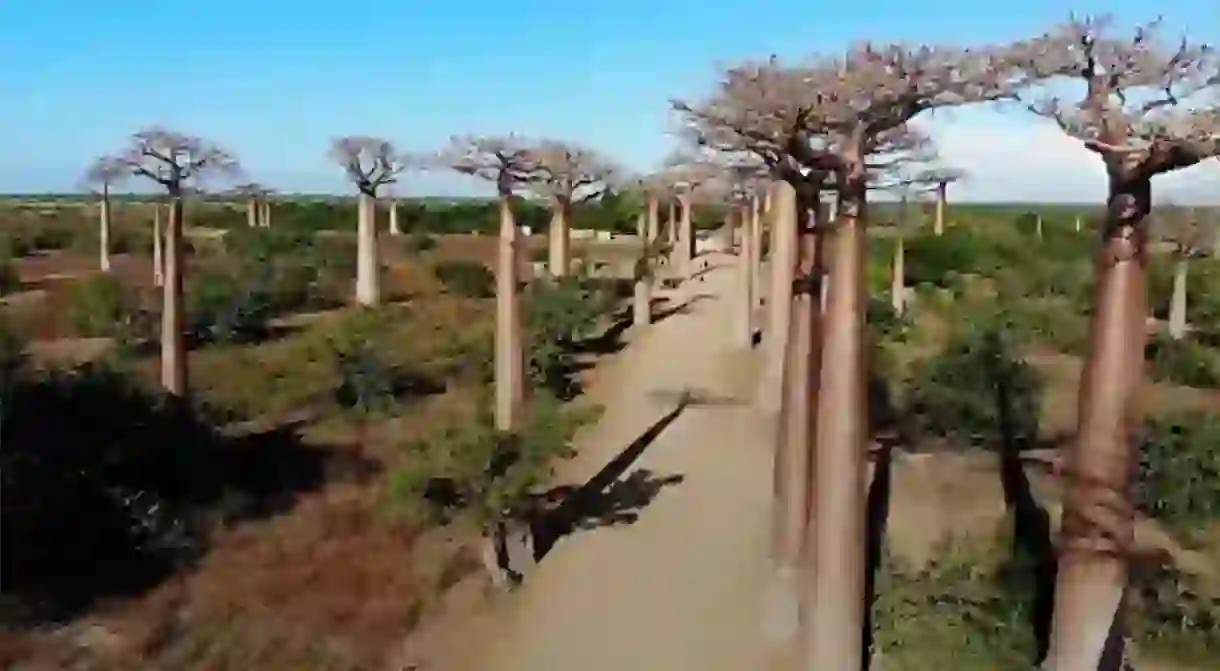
(254, 195)
(1144, 112)
(509, 163)
(940, 179)
(104, 173)
(178, 163)
(370, 163)
(650, 188)
(1187, 236)
(566, 174)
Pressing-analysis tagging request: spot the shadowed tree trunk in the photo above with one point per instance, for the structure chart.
(266, 210)
(559, 260)
(394, 229)
(1038, 225)
(1177, 304)
(654, 221)
(1092, 578)
(641, 302)
(745, 279)
(158, 248)
(686, 237)
(104, 230)
(368, 272)
(510, 357)
(779, 300)
(942, 198)
(756, 233)
(173, 339)
(252, 211)
(836, 543)
(672, 229)
(897, 282)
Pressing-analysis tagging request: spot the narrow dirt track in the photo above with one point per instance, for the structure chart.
(678, 589)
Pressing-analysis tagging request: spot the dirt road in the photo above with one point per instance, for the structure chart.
(679, 588)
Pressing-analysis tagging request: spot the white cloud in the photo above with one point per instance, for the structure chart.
(1025, 160)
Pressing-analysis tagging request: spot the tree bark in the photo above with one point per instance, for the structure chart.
(897, 281)
(252, 211)
(942, 198)
(266, 220)
(1077, 224)
(1098, 517)
(559, 260)
(779, 300)
(173, 339)
(745, 280)
(368, 271)
(104, 230)
(1038, 225)
(1177, 305)
(836, 543)
(755, 228)
(394, 229)
(158, 248)
(509, 358)
(641, 302)
(672, 229)
(686, 237)
(653, 230)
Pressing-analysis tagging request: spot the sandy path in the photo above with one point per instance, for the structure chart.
(678, 589)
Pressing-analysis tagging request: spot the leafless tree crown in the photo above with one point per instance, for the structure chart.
(570, 173)
(176, 161)
(106, 172)
(251, 190)
(1145, 105)
(506, 161)
(369, 162)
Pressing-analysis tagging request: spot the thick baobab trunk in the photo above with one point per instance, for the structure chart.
(559, 261)
(104, 231)
(835, 546)
(1077, 224)
(266, 219)
(671, 230)
(1038, 225)
(793, 441)
(173, 339)
(942, 198)
(653, 230)
(686, 237)
(779, 300)
(1098, 516)
(252, 212)
(158, 248)
(745, 279)
(509, 352)
(755, 229)
(368, 271)
(641, 301)
(1177, 305)
(394, 229)
(897, 281)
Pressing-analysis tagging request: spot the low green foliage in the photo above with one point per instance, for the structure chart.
(466, 278)
(557, 313)
(1183, 362)
(99, 306)
(1174, 620)
(1179, 475)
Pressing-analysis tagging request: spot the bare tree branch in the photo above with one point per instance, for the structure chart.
(106, 172)
(570, 173)
(369, 162)
(506, 161)
(176, 161)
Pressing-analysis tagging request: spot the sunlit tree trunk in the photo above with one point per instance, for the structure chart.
(686, 237)
(394, 229)
(158, 248)
(368, 272)
(559, 261)
(672, 229)
(897, 283)
(755, 229)
(252, 211)
(835, 552)
(641, 302)
(1038, 225)
(779, 301)
(173, 338)
(509, 362)
(942, 199)
(1078, 224)
(266, 219)
(654, 220)
(1098, 516)
(1177, 305)
(745, 278)
(104, 230)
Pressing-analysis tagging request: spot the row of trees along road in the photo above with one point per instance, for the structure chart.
(775, 137)
(1142, 107)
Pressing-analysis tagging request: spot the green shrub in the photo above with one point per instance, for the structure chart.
(978, 390)
(221, 309)
(1179, 474)
(418, 243)
(98, 306)
(10, 281)
(1175, 620)
(935, 259)
(467, 278)
(1053, 322)
(1182, 362)
(557, 313)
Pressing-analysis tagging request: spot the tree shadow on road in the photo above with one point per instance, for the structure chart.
(606, 499)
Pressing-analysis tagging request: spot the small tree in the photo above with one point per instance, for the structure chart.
(105, 173)
(566, 175)
(1139, 113)
(370, 163)
(1183, 229)
(255, 196)
(178, 163)
(508, 163)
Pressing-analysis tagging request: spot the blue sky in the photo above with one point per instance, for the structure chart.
(273, 81)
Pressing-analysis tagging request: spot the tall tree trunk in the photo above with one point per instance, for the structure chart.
(686, 237)
(897, 281)
(509, 362)
(672, 229)
(779, 301)
(942, 198)
(559, 261)
(394, 229)
(1038, 225)
(252, 210)
(755, 229)
(173, 339)
(266, 219)
(835, 550)
(104, 230)
(368, 271)
(641, 302)
(158, 248)
(745, 278)
(1078, 223)
(1098, 516)
(654, 220)
(1177, 305)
